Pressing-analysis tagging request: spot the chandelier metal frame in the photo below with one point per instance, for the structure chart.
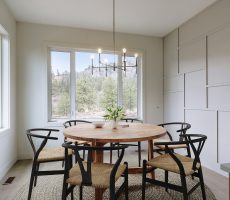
(105, 65)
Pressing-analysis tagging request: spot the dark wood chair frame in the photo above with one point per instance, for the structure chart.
(199, 141)
(31, 134)
(182, 131)
(138, 143)
(86, 172)
(74, 122)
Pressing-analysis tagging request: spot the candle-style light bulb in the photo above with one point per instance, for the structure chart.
(136, 55)
(99, 50)
(124, 50)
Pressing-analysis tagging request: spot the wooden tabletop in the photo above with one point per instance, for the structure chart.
(131, 132)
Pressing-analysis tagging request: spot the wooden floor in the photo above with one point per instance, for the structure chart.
(21, 170)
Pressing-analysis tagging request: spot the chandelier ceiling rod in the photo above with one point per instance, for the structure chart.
(114, 39)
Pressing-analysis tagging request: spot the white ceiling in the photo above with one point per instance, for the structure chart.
(145, 17)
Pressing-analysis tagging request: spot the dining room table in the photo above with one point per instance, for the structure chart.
(125, 132)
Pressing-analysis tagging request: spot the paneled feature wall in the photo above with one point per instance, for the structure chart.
(197, 80)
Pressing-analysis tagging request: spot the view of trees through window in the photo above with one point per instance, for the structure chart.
(93, 92)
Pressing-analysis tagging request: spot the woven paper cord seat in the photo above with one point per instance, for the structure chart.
(100, 174)
(52, 154)
(167, 163)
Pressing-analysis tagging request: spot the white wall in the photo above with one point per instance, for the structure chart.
(197, 79)
(8, 142)
(32, 43)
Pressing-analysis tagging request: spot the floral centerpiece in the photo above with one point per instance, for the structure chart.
(114, 114)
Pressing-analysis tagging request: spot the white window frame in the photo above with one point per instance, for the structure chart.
(4, 79)
(73, 83)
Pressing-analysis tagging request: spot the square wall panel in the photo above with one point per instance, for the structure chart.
(218, 57)
(192, 56)
(174, 106)
(205, 122)
(219, 97)
(195, 90)
(174, 83)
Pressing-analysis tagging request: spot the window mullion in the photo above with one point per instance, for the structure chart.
(50, 106)
(72, 86)
(139, 91)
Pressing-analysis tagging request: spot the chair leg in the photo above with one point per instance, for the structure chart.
(126, 183)
(36, 177)
(80, 188)
(112, 191)
(139, 154)
(64, 189)
(184, 186)
(202, 183)
(144, 179)
(111, 154)
(33, 171)
(166, 180)
(72, 193)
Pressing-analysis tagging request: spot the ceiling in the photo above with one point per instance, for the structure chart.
(144, 17)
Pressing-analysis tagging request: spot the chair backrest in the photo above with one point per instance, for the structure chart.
(86, 170)
(183, 127)
(41, 133)
(131, 120)
(74, 122)
(196, 142)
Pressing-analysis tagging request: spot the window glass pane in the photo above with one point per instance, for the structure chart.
(94, 91)
(4, 80)
(60, 96)
(130, 88)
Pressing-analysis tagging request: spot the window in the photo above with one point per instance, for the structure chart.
(75, 92)
(4, 78)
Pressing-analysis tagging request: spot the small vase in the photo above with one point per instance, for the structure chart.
(114, 124)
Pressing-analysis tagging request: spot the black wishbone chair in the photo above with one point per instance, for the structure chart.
(176, 163)
(130, 120)
(43, 155)
(97, 175)
(180, 128)
(75, 122)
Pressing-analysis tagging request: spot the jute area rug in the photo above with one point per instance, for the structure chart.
(50, 188)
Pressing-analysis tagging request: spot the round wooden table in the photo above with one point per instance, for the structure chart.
(133, 132)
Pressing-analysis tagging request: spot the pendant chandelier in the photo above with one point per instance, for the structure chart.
(105, 64)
